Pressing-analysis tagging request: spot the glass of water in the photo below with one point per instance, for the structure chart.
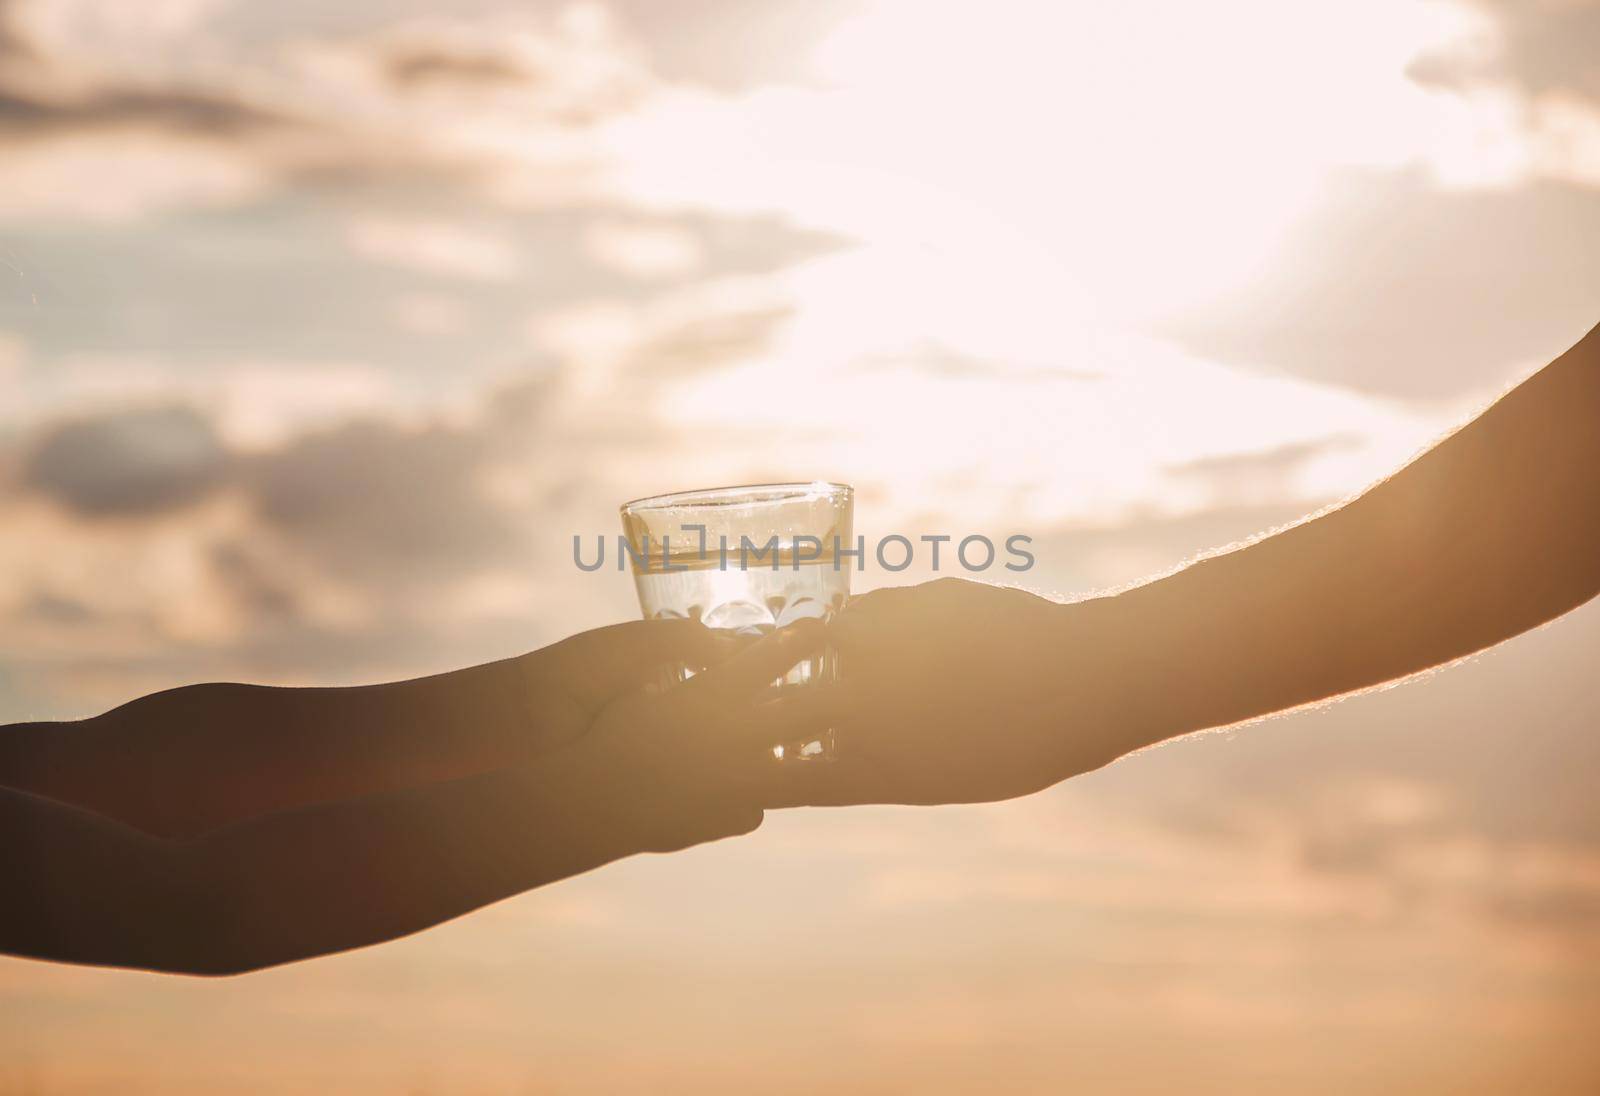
(747, 559)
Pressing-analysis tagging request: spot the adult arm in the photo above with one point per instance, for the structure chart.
(965, 692)
(1494, 531)
(183, 761)
(656, 772)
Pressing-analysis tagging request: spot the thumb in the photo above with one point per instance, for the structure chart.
(601, 663)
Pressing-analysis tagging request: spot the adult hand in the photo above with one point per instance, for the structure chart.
(688, 763)
(955, 692)
(651, 771)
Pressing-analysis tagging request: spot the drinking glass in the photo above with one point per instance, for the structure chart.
(748, 559)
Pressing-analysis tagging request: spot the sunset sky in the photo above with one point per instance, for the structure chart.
(324, 327)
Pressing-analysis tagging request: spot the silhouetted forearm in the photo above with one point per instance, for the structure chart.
(651, 771)
(1494, 531)
(284, 887)
(183, 761)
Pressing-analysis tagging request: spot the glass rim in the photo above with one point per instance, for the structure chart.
(737, 495)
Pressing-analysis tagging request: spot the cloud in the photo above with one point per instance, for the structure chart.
(1529, 69)
(379, 510)
(135, 462)
(110, 32)
(374, 498)
(365, 498)
(689, 41)
(707, 343)
(1418, 841)
(1496, 749)
(190, 113)
(456, 101)
(1262, 477)
(93, 125)
(78, 145)
(262, 591)
(348, 548)
(1404, 289)
(1540, 47)
(423, 64)
(698, 329)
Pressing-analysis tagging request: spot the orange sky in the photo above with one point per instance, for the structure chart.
(323, 328)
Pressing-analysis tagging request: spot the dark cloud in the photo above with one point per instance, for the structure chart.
(1541, 47)
(1401, 288)
(373, 497)
(370, 500)
(1559, 906)
(179, 111)
(126, 463)
(417, 65)
(44, 607)
(724, 44)
(375, 516)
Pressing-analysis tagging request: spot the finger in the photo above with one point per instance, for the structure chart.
(716, 646)
(876, 601)
(795, 713)
(759, 664)
(624, 656)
